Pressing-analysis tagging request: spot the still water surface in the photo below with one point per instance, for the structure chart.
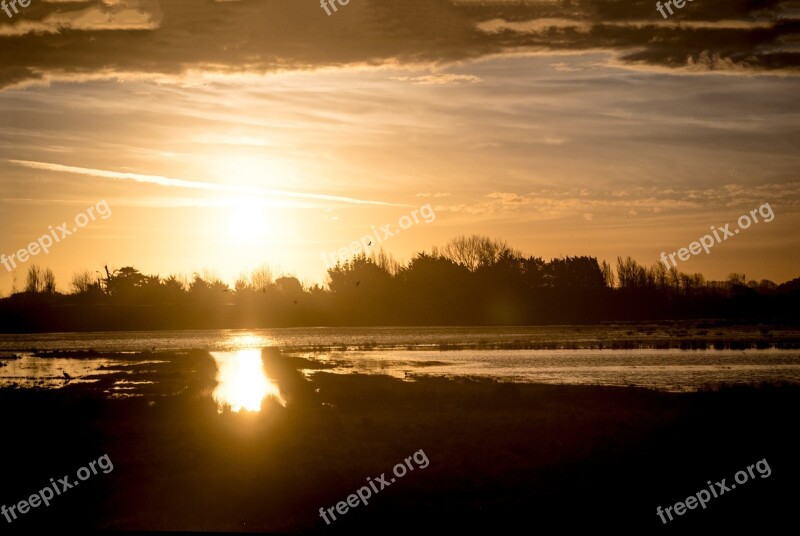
(406, 353)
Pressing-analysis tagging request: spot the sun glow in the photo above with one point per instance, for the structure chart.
(258, 170)
(247, 222)
(242, 383)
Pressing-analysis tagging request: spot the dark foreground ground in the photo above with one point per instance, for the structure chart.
(502, 457)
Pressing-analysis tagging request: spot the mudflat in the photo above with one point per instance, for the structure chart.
(501, 455)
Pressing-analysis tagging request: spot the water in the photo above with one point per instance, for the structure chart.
(395, 337)
(570, 355)
(242, 382)
(668, 370)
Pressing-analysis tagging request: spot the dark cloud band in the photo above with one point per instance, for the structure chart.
(171, 36)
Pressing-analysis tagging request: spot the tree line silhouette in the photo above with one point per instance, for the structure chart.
(472, 280)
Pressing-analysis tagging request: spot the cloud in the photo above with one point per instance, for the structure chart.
(534, 26)
(110, 15)
(435, 195)
(556, 203)
(193, 185)
(439, 79)
(173, 37)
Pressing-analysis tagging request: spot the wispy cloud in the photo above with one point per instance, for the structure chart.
(553, 204)
(439, 79)
(196, 185)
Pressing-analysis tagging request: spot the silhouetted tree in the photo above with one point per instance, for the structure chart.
(737, 279)
(83, 281)
(632, 275)
(363, 290)
(473, 280)
(262, 278)
(48, 282)
(289, 285)
(34, 281)
(576, 272)
(124, 284)
(476, 251)
(608, 275)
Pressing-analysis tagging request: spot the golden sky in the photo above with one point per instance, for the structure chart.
(224, 135)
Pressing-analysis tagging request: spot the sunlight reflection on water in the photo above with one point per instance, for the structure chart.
(242, 382)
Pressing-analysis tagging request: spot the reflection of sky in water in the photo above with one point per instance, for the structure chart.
(669, 370)
(420, 338)
(242, 382)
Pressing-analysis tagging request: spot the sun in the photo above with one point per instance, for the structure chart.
(247, 222)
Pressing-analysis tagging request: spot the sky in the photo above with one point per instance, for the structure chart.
(223, 135)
